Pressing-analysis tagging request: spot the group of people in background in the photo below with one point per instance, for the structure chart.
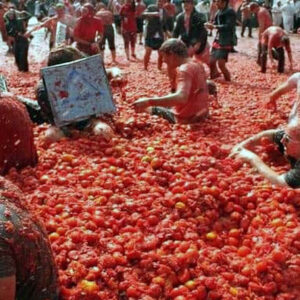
(135, 19)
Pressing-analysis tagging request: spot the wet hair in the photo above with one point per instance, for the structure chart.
(63, 54)
(174, 46)
(101, 5)
(59, 6)
(285, 40)
(90, 8)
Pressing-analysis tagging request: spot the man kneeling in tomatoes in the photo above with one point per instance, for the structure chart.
(189, 103)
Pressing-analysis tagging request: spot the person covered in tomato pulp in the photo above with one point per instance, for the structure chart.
(189, 103)
(287, 140)
(264, 22)
(86, 29)
(273, 42)
(27, 268)
(128, 27)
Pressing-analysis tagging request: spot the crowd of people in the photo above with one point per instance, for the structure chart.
(180, 35)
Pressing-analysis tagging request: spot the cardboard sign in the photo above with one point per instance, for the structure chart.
(61, 34)
(78, 90)
(3, 86)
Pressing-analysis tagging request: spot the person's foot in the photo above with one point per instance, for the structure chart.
(250, 36)
(242, 35)
(141, 43)
(133, 55)
(233, 50)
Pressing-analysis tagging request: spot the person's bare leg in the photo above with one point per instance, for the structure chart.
(224, 70)
(113, 56)
(214, 73)
(127, 53)
(133, 41)
(159, 61)
(147, 57)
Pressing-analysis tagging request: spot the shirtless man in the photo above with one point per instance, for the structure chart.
(86, 29)
(189, 102)
(264, 21)
(273, 41)
(51, 23)
(107, 19)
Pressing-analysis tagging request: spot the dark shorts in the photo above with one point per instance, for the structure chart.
(218, 54)
(170, 24)
(140, 25)
(165, 113)
(117, 20)
(154, 43)
(109, 35)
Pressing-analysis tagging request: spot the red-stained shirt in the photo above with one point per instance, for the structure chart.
(264, 20)
(191, 79)
(139, 9)
(128, 18)
(272, 36)
(170, 9)
(86, 28)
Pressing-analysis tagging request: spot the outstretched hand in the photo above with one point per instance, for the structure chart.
(141, 104)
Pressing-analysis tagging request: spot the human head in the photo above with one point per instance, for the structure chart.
(173, 51)
(60, 9)
(101, 6)
(291, 138)
(221, 4)
(11, 14)
(188, 6)
(160, 3)
(88, 10)
(63, 54)
(254, 7)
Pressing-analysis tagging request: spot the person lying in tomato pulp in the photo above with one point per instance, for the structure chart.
(288, 142)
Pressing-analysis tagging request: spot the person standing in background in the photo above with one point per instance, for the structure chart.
(86, 29)
(107, 19)
(288, 11)
(154, 37)
(128, 27)
(115, 6)
(264, 21)
(2, 23)
(16, 26)
(246, 18)
(277, 14)
(139, 9)
(170, 10)
(225, 21)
